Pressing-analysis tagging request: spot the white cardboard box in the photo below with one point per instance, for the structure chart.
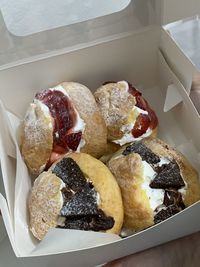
(164, 81)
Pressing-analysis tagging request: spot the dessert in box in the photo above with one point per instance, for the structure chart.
(78, 192)
(156, 182)
(62, 119)
(130, 56)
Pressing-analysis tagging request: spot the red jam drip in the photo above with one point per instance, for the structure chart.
(64, 117)
(143, 121)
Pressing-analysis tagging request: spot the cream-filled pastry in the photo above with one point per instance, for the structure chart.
(62, 119)
(127, 114)
(156, 182)
(77, 192)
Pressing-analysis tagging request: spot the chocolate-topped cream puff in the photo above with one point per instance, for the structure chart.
(156, 182)
(127, 114)
(62, 119)
(77, 192)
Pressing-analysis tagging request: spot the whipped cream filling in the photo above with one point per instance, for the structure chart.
(127, 128)
(163, 161)
(128, 137)
(156, 196)
(98, 199)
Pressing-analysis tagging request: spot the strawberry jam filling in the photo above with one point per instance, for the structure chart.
(143, 121)
(64, 120)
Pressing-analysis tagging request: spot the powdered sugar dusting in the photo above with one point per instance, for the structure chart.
(45, 203)
(115, 103)
(125, 84)
(37, 121)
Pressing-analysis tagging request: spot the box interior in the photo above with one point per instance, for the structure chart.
(135, 58)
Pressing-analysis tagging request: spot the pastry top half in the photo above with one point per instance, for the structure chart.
(127, 114)
(77, 192)
(156, 182)
(62, 119)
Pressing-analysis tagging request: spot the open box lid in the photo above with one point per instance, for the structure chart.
(33, 27)
(30, 28)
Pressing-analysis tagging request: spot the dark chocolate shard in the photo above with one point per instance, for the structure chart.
(68, 170)
(80, 208)
(82, 203)
(99, 222)
(169, 176)
(173, 197)
(145, 153)
(166, 213)
(77, 223)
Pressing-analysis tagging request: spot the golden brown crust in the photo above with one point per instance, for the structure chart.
(45, 204)
(36, 138)
(115, 104)
(95, 134)
(105, 184)
(128, 171)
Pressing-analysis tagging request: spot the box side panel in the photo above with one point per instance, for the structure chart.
(132, 58)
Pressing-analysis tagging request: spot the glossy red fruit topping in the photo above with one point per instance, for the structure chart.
(153, 119)
(64, 116)
(141, 125)
(141, 103)
(73, 140)
(133, 90)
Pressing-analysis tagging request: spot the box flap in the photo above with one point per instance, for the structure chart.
(186, 33)
(31, 27)
(25, 17)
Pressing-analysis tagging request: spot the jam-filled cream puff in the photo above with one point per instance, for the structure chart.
(61, 119)
(77, 192)
(127, 114)
(156, 182)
